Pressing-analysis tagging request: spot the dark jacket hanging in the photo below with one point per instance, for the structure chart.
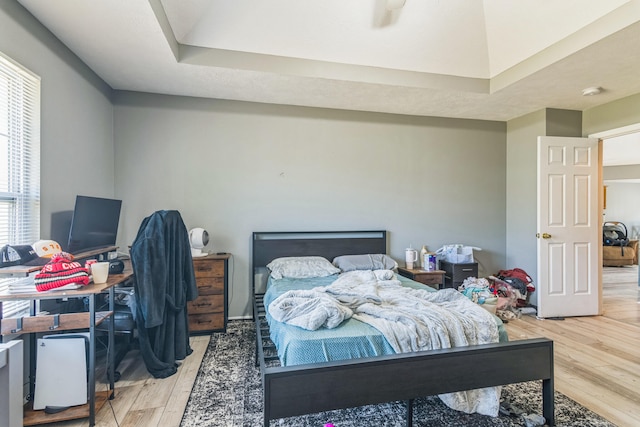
(164, 282)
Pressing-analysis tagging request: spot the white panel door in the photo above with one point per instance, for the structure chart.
(568, 227)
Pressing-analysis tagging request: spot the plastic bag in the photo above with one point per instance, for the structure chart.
(456, 253)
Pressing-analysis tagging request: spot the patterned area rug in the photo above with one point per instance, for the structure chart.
(227, 392)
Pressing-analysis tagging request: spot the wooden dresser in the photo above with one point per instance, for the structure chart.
(209, 312)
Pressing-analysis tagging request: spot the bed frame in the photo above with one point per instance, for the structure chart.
(306, 389)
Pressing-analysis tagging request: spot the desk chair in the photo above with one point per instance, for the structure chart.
(123, 325)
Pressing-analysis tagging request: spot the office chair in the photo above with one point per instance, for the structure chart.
(123, 325)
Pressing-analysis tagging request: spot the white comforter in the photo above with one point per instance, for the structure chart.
(410, 319)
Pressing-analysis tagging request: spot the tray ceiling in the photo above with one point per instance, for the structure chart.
(490, 60)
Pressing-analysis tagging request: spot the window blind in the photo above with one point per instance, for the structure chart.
(19, 165)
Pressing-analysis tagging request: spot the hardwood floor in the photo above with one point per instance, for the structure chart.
(597, 359)
(143, 401)
(597, 363)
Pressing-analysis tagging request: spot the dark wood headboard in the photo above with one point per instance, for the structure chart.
(267, 246)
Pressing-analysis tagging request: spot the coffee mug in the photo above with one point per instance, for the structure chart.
(100, 272)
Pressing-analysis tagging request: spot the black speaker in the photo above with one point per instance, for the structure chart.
(116, 266)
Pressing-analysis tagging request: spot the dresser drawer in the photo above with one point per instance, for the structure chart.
(210, 285)
(208, 268)
(208, 312)
(206, 304)
(434, 279)
(456, 273)
(461, 272)
(206, 322)
(430, 279)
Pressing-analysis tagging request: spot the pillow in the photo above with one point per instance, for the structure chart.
(365, 262)
(301, 267)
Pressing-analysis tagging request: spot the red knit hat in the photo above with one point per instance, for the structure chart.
(61, 271)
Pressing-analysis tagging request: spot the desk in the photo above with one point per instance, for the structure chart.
(25, 270)
(62, 322)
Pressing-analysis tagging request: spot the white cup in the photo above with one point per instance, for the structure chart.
(100, 272)
(410, 256)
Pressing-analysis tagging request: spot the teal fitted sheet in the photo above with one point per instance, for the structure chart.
(352, 339)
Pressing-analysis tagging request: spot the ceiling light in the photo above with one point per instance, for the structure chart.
(590, 91)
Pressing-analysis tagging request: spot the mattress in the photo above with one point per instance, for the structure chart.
(352, 339)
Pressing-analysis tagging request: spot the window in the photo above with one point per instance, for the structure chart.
(19, 164)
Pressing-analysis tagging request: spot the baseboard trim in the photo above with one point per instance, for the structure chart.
(241, 318)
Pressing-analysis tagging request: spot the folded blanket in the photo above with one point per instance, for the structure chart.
(308, 310)
(359, 287)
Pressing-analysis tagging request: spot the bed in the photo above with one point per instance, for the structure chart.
(364, 379)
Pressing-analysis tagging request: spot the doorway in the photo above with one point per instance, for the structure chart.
(621, 178)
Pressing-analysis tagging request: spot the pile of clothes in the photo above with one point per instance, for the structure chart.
(520, 282)
(503, 294)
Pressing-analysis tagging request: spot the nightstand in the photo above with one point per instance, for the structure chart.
(457, 272)
(435, 278)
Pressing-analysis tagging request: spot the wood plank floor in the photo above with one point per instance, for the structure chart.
(597, 363)
(597, 359)
(143, 401)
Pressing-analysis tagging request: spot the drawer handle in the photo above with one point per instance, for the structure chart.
(467, 269)
(203, 304)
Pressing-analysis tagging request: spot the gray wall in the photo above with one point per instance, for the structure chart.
(235, 167)
(613, 115)
(521, 166)
(522, 172)
(76, 115)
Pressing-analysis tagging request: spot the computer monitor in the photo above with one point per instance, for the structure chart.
(94, 224)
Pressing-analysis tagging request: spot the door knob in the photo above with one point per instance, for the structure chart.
(544, 235)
